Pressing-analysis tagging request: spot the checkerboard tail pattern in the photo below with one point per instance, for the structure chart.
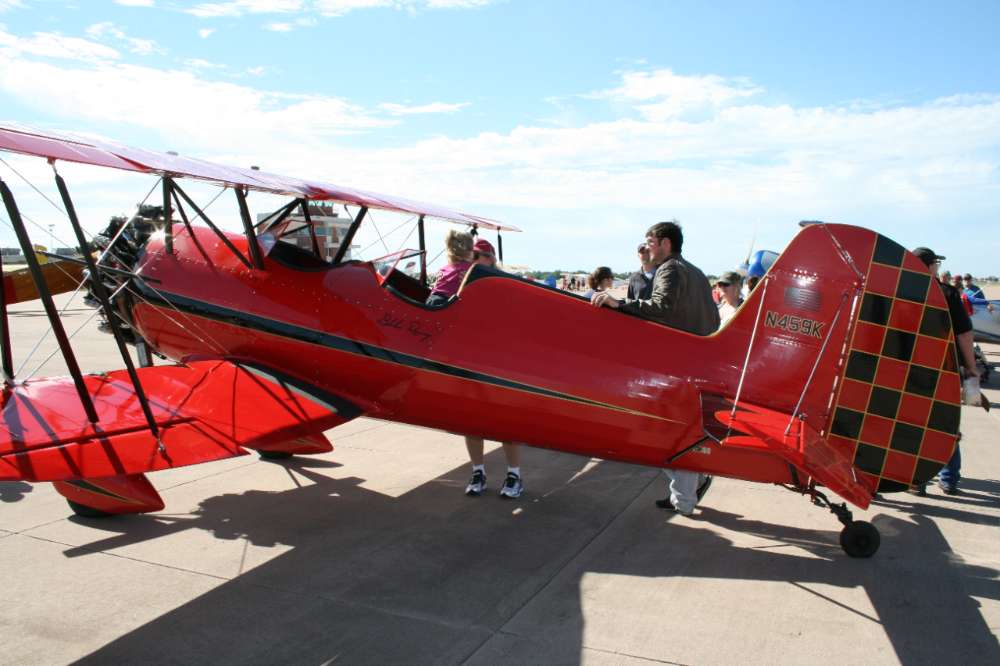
(897, 407)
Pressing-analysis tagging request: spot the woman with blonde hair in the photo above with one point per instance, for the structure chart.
(458, 246)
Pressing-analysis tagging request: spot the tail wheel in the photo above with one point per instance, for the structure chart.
(85, 511)
(860, 539)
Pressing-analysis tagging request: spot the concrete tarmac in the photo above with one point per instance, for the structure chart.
(372, 554)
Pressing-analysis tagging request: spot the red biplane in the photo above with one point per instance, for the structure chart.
(838, 373)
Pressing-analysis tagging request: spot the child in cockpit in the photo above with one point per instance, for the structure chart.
(458, 246)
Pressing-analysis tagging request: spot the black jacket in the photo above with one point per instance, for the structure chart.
(639, 286)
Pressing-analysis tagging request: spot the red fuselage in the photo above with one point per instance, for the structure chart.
(507, 360)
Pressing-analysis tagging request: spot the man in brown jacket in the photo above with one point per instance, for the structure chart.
(682, 298)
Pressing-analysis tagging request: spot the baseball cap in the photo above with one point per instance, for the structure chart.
(927, 255)
(729, 277)
(483, 246)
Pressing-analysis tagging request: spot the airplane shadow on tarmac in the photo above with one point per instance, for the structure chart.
(433, 577)
(14, 491)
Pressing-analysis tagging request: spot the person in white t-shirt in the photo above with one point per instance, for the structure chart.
(729, 286)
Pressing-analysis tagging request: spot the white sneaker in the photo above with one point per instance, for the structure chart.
(512, 486)
(477, 485)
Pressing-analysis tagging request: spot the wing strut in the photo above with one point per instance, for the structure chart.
(8, 363)
(309, 223)
(97, 285)
(258, 260)
(345, 244)
(180, 211)
(168, 217)
(278, 216)
(423, 250)
(222, 236)
(46, 297)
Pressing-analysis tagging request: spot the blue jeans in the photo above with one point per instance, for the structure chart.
(950, 475)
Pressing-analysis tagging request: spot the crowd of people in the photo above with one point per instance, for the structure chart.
(669, 289)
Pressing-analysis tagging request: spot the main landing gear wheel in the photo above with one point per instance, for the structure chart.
(275, 455)
(860, 539)
(85, 511)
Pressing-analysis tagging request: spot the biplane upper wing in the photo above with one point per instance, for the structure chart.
(205, 410)
(29, 141)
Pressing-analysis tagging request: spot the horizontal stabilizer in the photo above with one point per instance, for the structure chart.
(207, 410)
(801, 446)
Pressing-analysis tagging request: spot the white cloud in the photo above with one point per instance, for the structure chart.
(288, 27)
(6, 5)
(54, 45)
(434, 107)
(327, 8)
(200, 63)
(719, 158)
(661, 94)
(240, 7)
(135, 3)
(198, 111)
(256, 71)
(109, 31)
(341, 7)
(458, 4)
(204, 33)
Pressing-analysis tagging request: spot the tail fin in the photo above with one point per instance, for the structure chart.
(862, 335)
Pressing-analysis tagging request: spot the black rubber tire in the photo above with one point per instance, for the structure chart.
(275, 455)
(860, 539)
(85, 511)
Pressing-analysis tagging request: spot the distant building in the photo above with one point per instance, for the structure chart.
(330, 229)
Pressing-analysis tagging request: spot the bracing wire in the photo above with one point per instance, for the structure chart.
(371, 218)
(381, 239)
(218, 346)
(77, 330)
(108, 251)
(32, 186)
(69, 302)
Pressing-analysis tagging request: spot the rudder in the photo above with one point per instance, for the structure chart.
(897, 403)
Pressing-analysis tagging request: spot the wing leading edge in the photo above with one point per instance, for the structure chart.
(207, 410)
(50, 145)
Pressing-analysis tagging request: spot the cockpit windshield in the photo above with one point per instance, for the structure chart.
(407, 261)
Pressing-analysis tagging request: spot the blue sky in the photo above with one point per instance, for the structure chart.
(582, 123)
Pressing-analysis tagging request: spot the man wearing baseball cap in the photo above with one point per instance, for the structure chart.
(640, 283)
(962, 327)
(972, 290)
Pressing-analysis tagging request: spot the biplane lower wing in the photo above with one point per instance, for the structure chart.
(801, 446)
(59, 276)
(204, 411)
